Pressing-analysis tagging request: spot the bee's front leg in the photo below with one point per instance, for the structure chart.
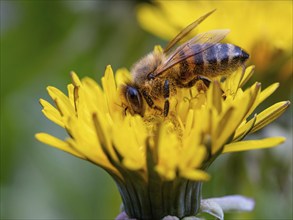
(149, 101)
(148, 98)
(166, 93)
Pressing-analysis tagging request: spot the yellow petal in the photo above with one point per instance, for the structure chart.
(189, 122)
(247, 74)
(268, 91)
(263, 95)
(224, 128)
(192, 156)
(93, 153)
(147, 17)
(102, 129)
(55, 142)
(231, 120)
(158, 49)
(51, 113)
(215, 96)
(110, 88)
(75, 79)
(92, 97)
(132, 149)
(122, 75)
(244, 129)
(269, 115)
(253, 144)
(168, 151)
(231, 84)
(197, 175)
(168, 174)
(61, 100)
(131, 164)
(71, 96)
(166, 18)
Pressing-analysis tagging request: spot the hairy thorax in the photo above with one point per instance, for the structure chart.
(146, 66)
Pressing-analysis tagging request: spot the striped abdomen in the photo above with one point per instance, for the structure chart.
(219, 59)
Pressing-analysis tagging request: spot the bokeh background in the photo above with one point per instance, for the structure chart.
(41, 42)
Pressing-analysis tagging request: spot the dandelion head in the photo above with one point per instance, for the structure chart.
(157, 129)
(152, 158)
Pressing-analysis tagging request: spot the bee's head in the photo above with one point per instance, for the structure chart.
(133, 100)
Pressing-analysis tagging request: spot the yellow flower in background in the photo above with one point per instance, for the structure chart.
(159, 163)
(263, 28)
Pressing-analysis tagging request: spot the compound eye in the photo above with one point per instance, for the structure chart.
(134, 99)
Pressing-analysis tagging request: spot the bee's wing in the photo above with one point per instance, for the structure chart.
(186, 31)
(205, 40)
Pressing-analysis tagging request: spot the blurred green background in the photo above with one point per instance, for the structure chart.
(41, 42)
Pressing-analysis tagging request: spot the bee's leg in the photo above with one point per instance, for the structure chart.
(166, 93)
(202, 83)
(187, 85)
(205, 81)
(149, 100)
(192, 82)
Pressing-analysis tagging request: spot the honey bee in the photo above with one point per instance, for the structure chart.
(157, 75)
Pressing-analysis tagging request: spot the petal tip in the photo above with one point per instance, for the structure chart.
(258, 84)
(108, 68)
(75, 79)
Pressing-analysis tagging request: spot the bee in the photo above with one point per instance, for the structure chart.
(158, 75)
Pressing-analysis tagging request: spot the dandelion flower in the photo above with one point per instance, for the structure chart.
(159, 163)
